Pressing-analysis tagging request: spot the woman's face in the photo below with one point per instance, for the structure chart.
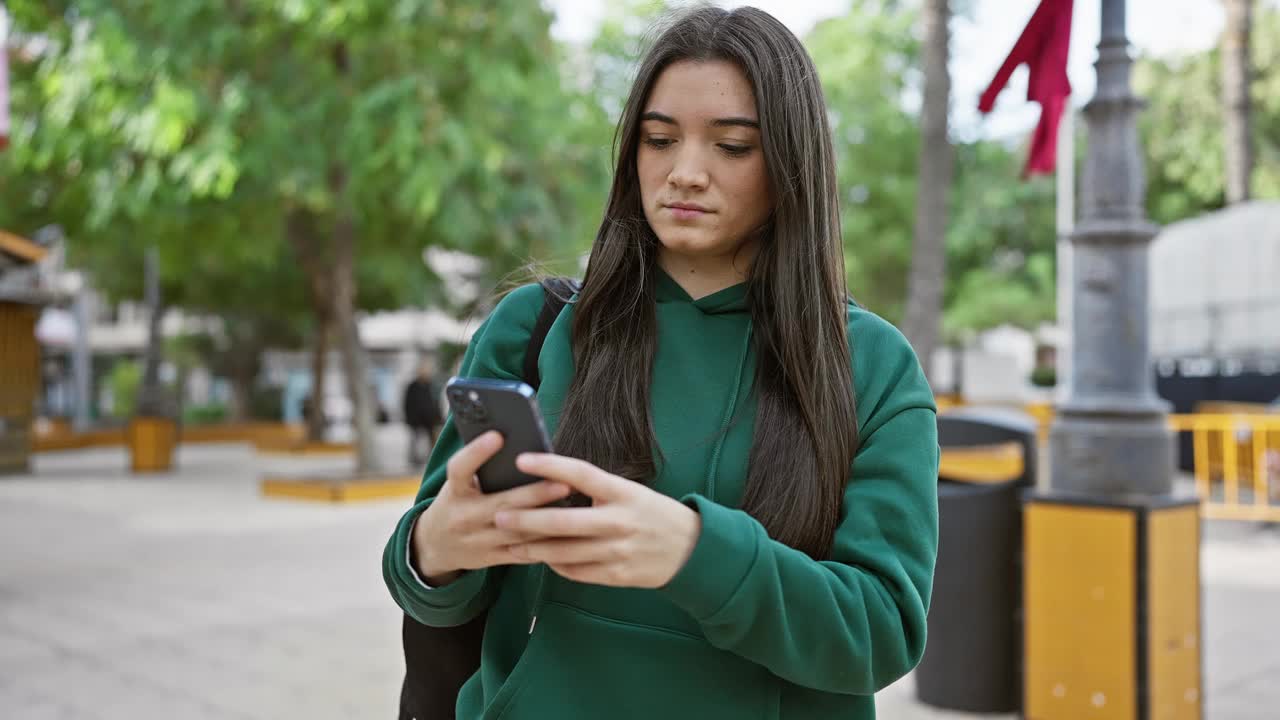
(702, 172)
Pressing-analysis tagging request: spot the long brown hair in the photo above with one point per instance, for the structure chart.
(806, 426)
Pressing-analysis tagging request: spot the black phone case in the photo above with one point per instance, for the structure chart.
(481, 405)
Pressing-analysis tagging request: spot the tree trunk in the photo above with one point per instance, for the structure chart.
(241, 394)
(240, 362)
(245, 365)
(923, 320)
(354, 363)
(150, 395)
(1236, 76)
(319, 369)
(343, 278)
(151, 401)
(314, 255)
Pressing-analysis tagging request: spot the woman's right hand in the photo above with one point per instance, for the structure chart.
(456, 531)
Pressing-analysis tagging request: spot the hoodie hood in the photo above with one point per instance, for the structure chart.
(732, 299)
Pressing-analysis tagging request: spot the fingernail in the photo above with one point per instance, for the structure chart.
(525, 461)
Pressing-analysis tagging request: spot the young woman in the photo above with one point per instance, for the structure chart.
(761, 453)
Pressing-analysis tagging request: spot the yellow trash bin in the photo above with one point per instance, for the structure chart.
(151, 443)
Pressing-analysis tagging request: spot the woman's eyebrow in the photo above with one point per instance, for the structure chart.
(718, 122)
(655, 115)
(735, 122)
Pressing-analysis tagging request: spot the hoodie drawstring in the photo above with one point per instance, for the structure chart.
(728, 415)
(538, 596)
(540, 592)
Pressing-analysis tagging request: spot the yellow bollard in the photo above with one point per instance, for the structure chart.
(1112, 609)
(151, 443)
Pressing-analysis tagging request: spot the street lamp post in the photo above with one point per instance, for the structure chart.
(1112, 437)
(1111, 574)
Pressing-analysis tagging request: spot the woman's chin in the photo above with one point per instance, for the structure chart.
(692, 244)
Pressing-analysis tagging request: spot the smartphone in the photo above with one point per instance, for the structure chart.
(480, 405)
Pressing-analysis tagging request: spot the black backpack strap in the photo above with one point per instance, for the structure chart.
(439, 660)
(556, 292)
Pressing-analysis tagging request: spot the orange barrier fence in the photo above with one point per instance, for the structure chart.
(1236, 457)
(1237, 463)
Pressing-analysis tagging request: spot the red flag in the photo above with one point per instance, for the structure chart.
(1043, 46)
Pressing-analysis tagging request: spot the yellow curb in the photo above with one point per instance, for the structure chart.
(305, 448)
(340, 490)
(281, 436)
(77, 441)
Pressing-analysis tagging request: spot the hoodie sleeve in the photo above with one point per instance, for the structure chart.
(853, 623)
(496, 351)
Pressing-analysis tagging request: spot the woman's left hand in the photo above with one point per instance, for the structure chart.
(631, 536)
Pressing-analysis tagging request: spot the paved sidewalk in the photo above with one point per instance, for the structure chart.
(189, 596)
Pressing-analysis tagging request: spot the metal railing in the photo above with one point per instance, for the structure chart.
(1236, 463)
(1235, 457)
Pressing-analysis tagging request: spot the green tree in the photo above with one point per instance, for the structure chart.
(1001, 243)
(926, 283)
(1183, 124)
(1236, 70)
(99, 151)
(999, 236)
(353, 132)
(864, 58)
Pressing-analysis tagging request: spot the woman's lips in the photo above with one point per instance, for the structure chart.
(686, 212)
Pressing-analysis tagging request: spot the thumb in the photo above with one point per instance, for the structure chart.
(460, 471)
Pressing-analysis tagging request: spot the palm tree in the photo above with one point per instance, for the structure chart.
(1236, 75)
(923, 318)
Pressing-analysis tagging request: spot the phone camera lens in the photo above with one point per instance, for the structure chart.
(468, 405)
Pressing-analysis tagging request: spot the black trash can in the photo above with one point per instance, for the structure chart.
(973, 658)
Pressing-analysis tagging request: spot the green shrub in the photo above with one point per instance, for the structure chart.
(204, 414)
(124, 380)
(267, 403)
(1044, 377)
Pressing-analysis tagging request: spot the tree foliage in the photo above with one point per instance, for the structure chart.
(1182, 125)
(202, 127)
(1000, 238)
(865, 58)
(359, 132)
(449, 121)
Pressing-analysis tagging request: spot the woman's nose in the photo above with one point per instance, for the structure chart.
(689, 172)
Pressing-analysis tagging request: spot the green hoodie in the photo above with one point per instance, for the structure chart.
(749, 628)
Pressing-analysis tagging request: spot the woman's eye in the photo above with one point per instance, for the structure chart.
(735, 150)
(658, 143)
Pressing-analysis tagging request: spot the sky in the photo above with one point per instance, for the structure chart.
(980, 44)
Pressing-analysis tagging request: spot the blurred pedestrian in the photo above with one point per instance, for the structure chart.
(422, 415)
(757, 544)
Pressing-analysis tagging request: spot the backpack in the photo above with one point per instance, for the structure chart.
(437, 661)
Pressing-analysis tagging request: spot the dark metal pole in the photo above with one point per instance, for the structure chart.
(1111, 436)
(151, 401)
(1113, 21)
(82, 358)
(1107, 542)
